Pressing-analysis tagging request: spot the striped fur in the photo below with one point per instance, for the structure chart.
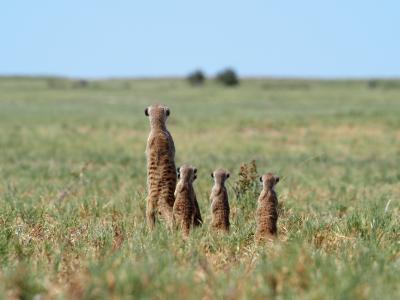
(267, 210)
(161, 173)
(184, 206)
(219, 201)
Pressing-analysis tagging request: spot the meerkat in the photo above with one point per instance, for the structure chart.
(219, 201)
(184, 206)
(197, 221)
(161, 172)
(267, 209)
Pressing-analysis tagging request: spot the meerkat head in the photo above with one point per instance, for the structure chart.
(157, 114)
(220, 175)
(187, 173)
(269, 180)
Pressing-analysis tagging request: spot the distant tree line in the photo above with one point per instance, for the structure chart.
(227, 77)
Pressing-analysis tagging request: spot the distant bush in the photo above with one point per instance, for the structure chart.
(373, 83)
(228, 77)
(196, 78)
(80, 84)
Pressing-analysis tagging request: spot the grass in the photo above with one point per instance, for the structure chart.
(72, 189)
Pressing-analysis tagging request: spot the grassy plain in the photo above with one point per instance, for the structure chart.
(72, 189)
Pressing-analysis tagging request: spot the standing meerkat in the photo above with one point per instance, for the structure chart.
(219, 201)
(161, 172)
(184, 207)
(267, 209)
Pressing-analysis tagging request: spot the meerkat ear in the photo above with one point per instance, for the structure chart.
(195, 171)
(276, 179)
(146, 111)
(178, 170)
(212, 175)
(227, 175)
(167, 112)
(195, 177)
(261, 178)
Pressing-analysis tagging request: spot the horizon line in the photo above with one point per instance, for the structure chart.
(176, 77)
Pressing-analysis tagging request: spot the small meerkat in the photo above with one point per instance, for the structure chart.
(267, 209)
(219, 201)
(161, 172)
(197, 221)
(184, 207)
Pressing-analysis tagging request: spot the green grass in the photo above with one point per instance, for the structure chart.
(72, 190)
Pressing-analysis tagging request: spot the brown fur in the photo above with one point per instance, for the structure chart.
(184, 207)
(219, 201)
(161, 173)
(267, 210)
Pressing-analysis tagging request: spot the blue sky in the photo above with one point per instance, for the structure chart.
(308, 38)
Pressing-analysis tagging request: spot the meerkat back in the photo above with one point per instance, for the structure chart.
(219, 201)
(267, 209)
(161, 172)
(184, 207)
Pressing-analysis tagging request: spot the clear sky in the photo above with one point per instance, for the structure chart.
(296, 38)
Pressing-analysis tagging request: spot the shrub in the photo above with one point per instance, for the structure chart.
(373, 83)
(228, 77)
(196, 78)
(80, 84)
(247, 181)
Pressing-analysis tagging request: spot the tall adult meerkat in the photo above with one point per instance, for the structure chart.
(267, 209)
(184, 207)
(219, 201)
(161, 172)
